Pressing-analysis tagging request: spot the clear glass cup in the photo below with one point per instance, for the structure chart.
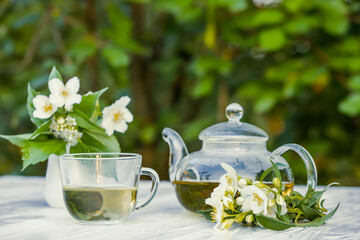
(101, 188)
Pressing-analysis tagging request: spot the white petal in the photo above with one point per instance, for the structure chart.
(122, 102)
(109, 128)
(128, 117)
(73, 85)
(246, 205)
(247, 191)
(72, 99)
(39, 101)
(56, 85)
(270, 195)
(121, 127)
(39, 114)
(229, 169)
(69, 108)
(57, 100)
(283, 209)
(271, 212)
(107, 111)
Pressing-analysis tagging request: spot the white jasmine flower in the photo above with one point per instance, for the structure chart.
(217, 213)
(116, 116)
(65, 95)
(255, 200)
(272, 207)
(216, 196)
(230, 178)
(44, 108)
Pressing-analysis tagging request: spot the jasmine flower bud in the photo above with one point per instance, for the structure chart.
(249, 218)
(276, 182)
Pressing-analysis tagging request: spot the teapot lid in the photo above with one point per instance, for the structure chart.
(234, 130)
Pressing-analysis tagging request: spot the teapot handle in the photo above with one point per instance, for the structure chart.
(305, 156)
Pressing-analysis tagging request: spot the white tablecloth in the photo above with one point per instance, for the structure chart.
(25, 215)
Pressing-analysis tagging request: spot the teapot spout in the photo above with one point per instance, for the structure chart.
(178, 150)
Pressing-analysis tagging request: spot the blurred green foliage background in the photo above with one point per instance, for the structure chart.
(294, 67)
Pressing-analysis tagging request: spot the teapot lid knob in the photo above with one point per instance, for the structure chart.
(234, 112)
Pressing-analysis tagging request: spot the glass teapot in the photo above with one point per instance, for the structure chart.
(239, 144)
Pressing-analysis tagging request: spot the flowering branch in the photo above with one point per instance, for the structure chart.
(239, 200)
(69, 122)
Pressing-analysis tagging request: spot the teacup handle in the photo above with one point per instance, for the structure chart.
(305, 156)
(155, 183)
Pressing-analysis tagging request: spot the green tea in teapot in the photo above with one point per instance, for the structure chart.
(192, 195)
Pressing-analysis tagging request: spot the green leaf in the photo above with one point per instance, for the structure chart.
(354, 82)
(267, 17)
(205, 213)
(203, 87)
(269, 170)
(296, 197)
(44, 128)
(55, 74)
(100, 139)
(110, 143)
(320, 221)
(88, 102)
(350, 105)
(272, 39)
(266, 102)
(312, 197)
(310, 213)
(30, 106)
(83, 120)
(18, 140)
(278, 225)
(116, 56)
(83, 49)
(273, 224)
(88, 144)
(293, 5)
(284, 217)
(36, 151)
(337, 25)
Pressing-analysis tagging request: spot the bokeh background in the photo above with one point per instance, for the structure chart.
(293, 65)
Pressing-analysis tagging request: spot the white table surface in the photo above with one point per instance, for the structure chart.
(24, 214)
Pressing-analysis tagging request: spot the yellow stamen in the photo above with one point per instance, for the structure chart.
(48, 107)
(65, 93)
(118, 116)
(257, 199)
(229, 180)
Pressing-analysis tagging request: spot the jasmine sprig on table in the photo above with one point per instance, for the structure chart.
(69, 122)
(239, 200)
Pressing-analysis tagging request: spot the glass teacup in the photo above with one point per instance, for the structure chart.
(101, 188)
